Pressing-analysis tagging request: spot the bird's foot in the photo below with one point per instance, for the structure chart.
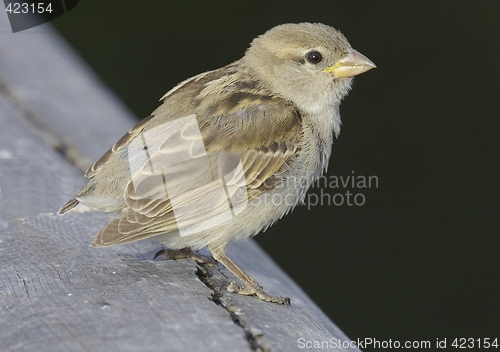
(184, 253)
(251, 289)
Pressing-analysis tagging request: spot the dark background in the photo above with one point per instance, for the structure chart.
(419, 260)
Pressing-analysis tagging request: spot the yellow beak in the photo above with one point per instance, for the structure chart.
(350, 65)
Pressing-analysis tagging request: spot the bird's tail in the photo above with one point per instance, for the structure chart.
(69, 205)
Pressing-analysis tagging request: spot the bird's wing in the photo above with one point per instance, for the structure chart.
(195, 172)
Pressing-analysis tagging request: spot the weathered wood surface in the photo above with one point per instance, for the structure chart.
(59, 294)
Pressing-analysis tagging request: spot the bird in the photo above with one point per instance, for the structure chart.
(229, 151)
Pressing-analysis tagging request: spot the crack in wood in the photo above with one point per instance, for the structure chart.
(53, 267)
(25, 284)
(52, 138)
(219, 296)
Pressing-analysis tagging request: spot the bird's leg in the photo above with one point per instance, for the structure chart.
(184, 253)
(250, 287)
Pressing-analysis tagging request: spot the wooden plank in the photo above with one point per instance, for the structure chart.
(59, 294)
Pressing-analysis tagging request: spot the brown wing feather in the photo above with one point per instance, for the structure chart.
(259, 129)
(122, 143)
(143, 221)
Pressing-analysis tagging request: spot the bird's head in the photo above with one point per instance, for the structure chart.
(310, 64)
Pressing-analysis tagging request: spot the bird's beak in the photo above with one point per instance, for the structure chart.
(352, 64)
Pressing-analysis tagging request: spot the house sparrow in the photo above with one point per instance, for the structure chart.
(229, 151)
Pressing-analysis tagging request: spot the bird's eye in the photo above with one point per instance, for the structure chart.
(314, 57)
